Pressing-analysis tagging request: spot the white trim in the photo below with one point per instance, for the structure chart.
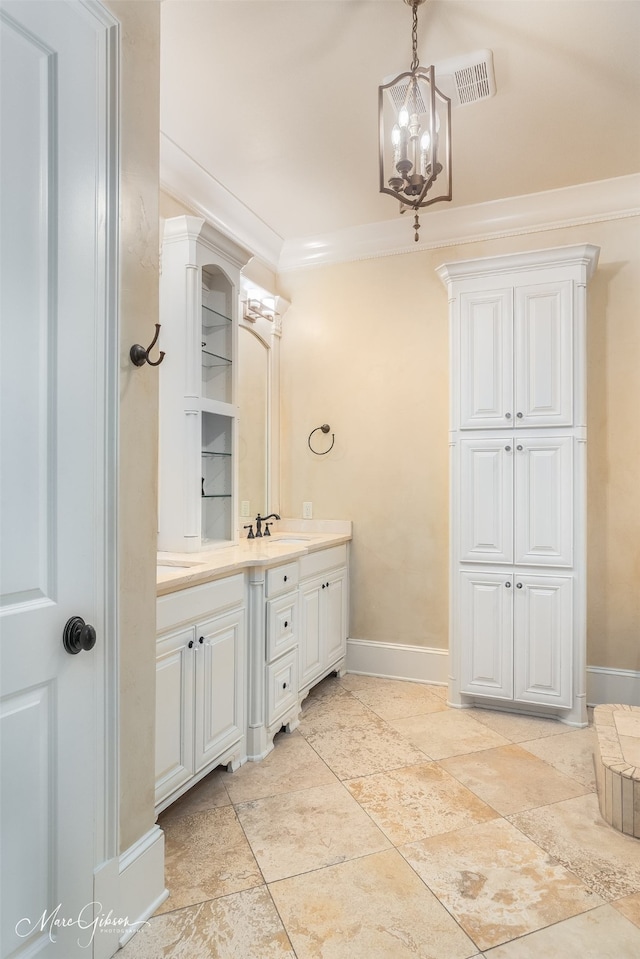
(605, 685)
(183, 178)
(416, 664)
(129, 889)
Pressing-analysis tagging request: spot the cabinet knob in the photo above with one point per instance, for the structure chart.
(285, 578)
(519, 585)
(190, 644)
(201, 640)
(284, 685)
(508, 585)
(520, 447)
(324, 585)
(327, 586)
(519, 415)
(507, 416)
(508, 449)
(286, 623)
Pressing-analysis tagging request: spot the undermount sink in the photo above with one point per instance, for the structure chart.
(290, 539)
(170, 566)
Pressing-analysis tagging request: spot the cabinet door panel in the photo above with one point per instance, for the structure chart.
(486, 500)
(174, 712)
(310, 644)
(335, 617)
(543, 352)
(282, 685)
(486, 360)
(543, 639)
(486, 632)
(543, 501)
(219, 686)
(282, 614)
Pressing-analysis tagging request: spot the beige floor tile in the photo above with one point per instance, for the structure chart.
(516, 728)
(510, 779)
(397, 700)
(574, 833)
(363, 748)
(442, 692)
(307, 830)
(242, 926)
(370, 908)
(447, 733)
(206, 856)
(418, 801)
(571, 754)
(291, 765)
(209, 793)
(599, 934)
(333, 712)
(629, 907)
(498, 884)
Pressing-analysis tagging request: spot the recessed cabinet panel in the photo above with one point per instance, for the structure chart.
(544, 355)
(543, 624)
(486, 630)
(174, 712)
(543, 501)
(282, 614)
(282, 685)
(486, 500)
(219, 686)
(310, 634)
(335, 616)
(486, 358)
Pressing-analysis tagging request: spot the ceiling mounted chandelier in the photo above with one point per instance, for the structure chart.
(415, 135)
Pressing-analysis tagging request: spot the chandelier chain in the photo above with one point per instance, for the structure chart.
(415, 63)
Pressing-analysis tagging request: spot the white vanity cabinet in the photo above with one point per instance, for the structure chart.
(200, 684)
(518, 480)
(281, 630)
(323, 615)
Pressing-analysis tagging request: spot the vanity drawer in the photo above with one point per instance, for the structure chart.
(282, 615)
(282, 685)
(314, 563)
(281, 579)
(199, 602)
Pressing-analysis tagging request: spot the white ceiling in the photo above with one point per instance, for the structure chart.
(277, 99)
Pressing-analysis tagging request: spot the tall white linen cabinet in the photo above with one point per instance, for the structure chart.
(518, 481)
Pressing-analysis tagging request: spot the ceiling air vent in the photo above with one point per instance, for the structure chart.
(468, 78)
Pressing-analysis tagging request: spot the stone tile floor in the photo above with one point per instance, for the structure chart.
(389, 826)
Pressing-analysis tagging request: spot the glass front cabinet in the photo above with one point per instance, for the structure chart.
(198, 413)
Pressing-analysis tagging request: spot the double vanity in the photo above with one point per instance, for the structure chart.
(244, 632)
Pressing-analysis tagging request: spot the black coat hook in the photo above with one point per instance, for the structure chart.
(140, 356)
(325, 429)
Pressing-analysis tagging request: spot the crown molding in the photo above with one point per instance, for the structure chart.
(189, 183)
(582, 203)
(535, 213)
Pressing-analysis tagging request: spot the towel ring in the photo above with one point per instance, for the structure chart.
(325, 429)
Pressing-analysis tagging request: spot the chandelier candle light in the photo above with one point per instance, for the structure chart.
(415, 135)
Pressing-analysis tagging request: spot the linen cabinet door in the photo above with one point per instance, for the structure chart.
(174, 711)
(486, 500)
(544, 501)
(219, 702)
(310, 638)
(543, 607)
(486, 360)
(544, 354)
(486, 634)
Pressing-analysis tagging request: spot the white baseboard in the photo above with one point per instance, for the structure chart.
(612, 686)
(419, 664)
(128, 890)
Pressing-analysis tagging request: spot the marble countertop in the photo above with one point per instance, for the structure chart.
(292, 539)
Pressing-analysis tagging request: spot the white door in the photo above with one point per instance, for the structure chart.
(52, 434)
(486, 360)
(486, 633)
(544, 354)
(334, 616)
(219, 694)
(486, 500)
(543, 501)
(175, 665)
(544, 639)
(310, 637)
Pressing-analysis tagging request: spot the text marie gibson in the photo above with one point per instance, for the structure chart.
(90, 919)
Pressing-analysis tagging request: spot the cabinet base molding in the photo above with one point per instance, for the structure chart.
(232, 759)
(416, 664)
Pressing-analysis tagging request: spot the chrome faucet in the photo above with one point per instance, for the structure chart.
(260, 520)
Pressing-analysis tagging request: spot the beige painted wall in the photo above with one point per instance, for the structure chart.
(137, 523)
(365, 349)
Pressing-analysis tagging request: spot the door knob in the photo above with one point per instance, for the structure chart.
(78, 635)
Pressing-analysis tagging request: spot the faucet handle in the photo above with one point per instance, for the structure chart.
(250, 533)
(266, 529)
